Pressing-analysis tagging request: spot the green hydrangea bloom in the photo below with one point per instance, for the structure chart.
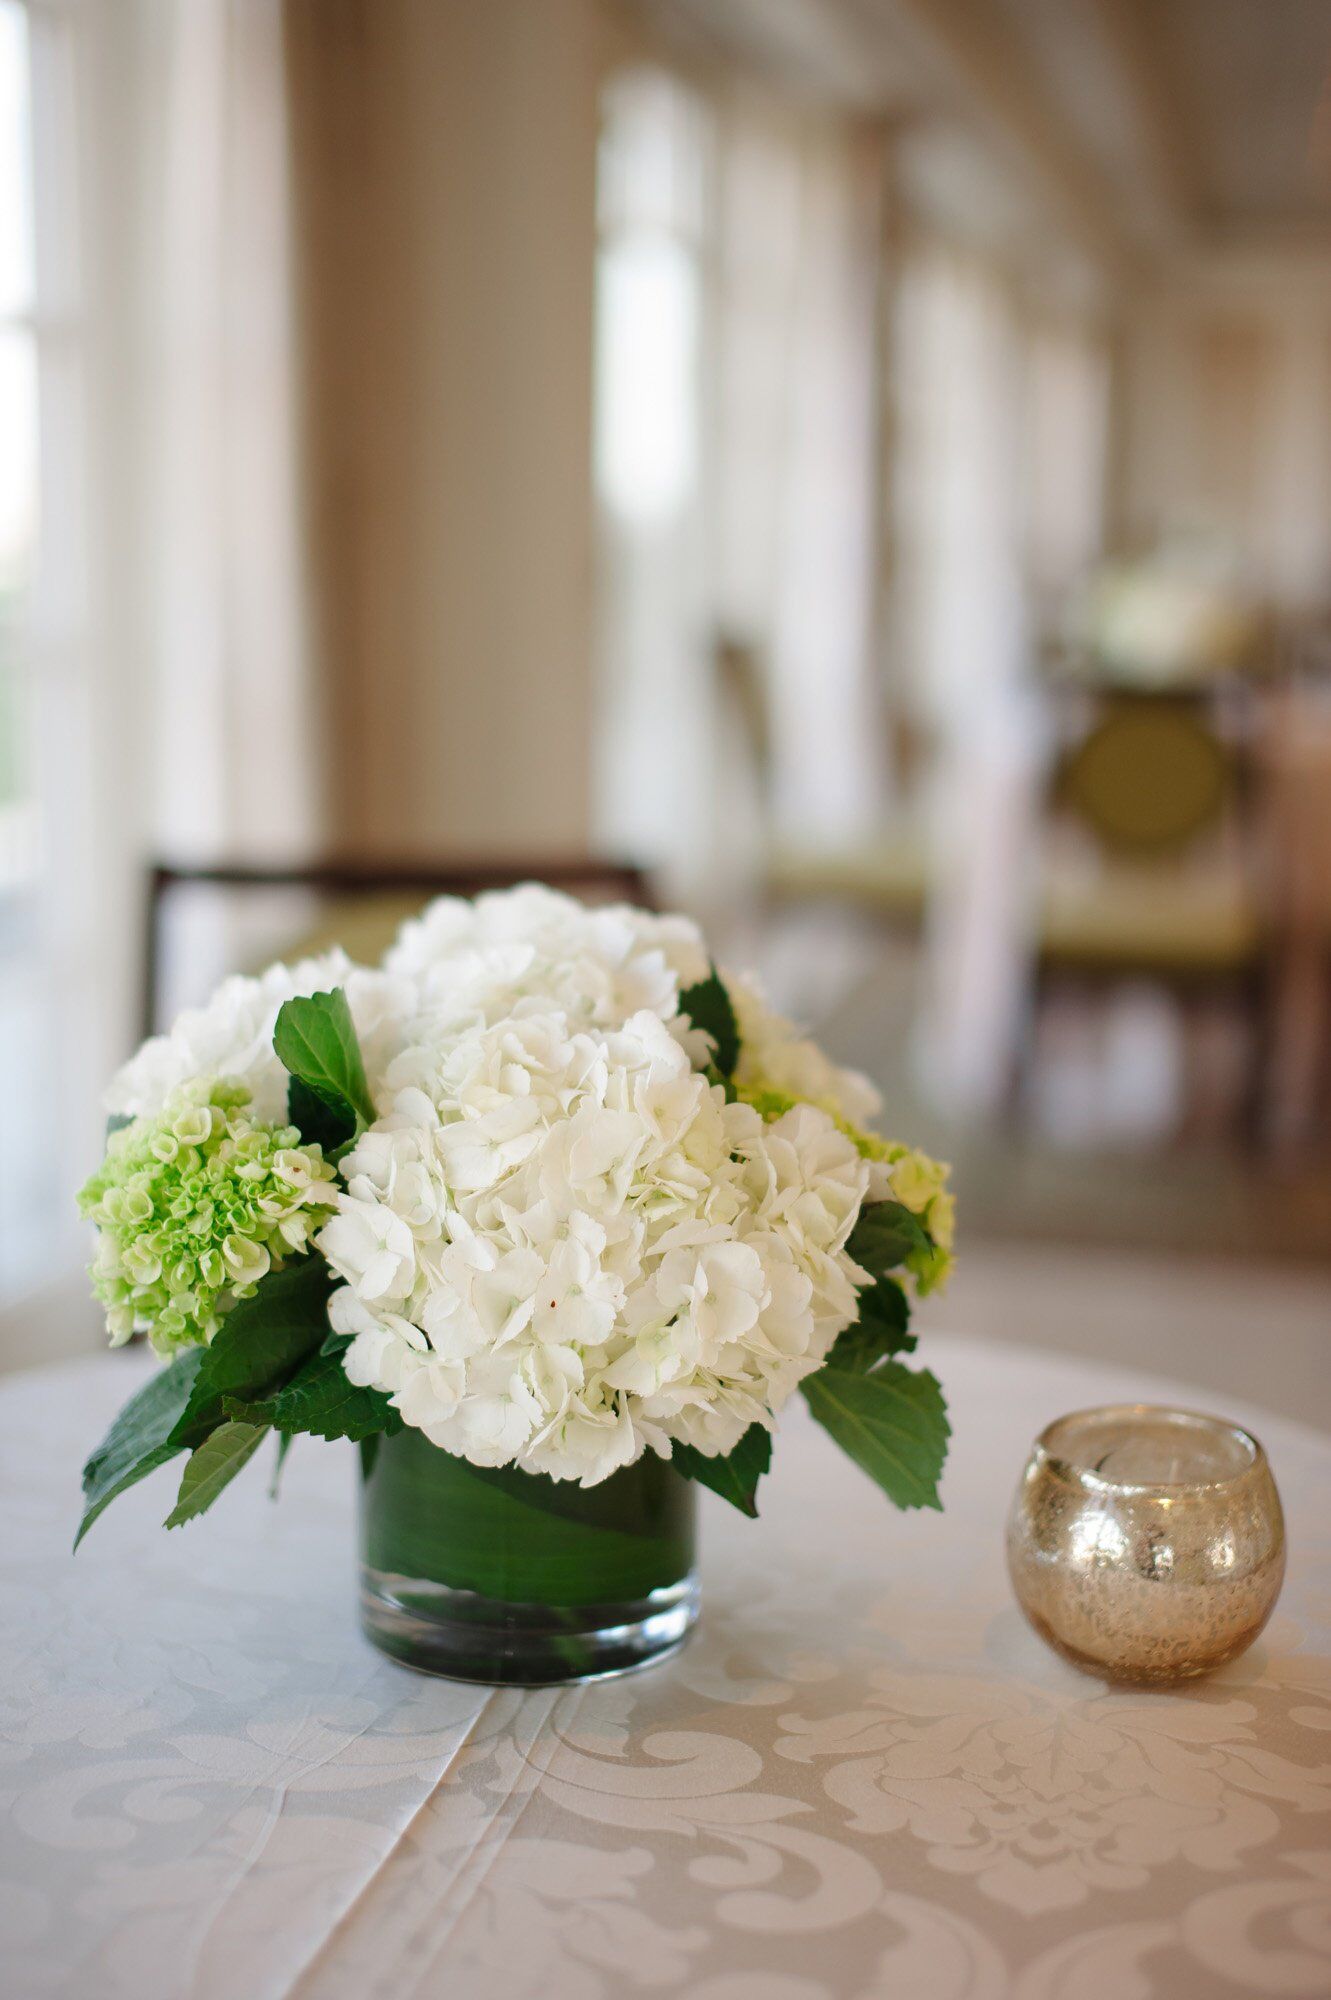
(194, 1207)
(919, 1183)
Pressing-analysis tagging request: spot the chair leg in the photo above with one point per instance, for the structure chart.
(1255, 1003)
(1297, 1016)
(1025, 1052)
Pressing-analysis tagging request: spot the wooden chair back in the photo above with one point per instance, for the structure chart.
(405, 884)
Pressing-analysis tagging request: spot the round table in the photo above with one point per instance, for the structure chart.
(865, 1776)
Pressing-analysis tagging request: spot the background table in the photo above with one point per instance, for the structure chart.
(864, 1777)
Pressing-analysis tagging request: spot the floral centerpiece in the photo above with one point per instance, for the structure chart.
(548, 1216)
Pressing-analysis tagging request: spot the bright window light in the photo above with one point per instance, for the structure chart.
(647, 341)
(16, 274)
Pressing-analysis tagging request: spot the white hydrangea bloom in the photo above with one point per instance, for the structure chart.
(232, 1036)
(774, 1056)
(560, 1245)
(476, 962)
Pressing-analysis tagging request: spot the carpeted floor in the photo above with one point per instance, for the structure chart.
(1242, 1332)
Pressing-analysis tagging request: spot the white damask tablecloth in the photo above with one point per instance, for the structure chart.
(864, 1777)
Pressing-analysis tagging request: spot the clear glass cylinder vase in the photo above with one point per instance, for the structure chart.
(510, 1578)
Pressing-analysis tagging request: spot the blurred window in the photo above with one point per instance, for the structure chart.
(652, 748)
(1068, 388)
(735, 473)
(649, 282)
(42, 663)
(794, 435)
(1000, 441)
(18, 430)
(958, 485)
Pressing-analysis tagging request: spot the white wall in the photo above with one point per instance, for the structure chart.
(446, 172)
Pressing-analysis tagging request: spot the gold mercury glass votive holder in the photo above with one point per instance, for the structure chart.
(1146, 1544)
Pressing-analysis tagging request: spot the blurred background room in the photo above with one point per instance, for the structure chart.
(864, 463)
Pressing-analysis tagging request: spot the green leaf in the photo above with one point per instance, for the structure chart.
(882, 1328)
(315, 1038)
(885, 1306)
(709, 1007)
(319, 1123)
(893, 1423)
(213, 1466)
(260, 1344)
(503, 1532)
(320, 1399)
(140, 1439)
(735, 1477)
(884, 1236)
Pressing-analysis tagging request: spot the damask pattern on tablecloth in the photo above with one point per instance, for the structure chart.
(864, 1778)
